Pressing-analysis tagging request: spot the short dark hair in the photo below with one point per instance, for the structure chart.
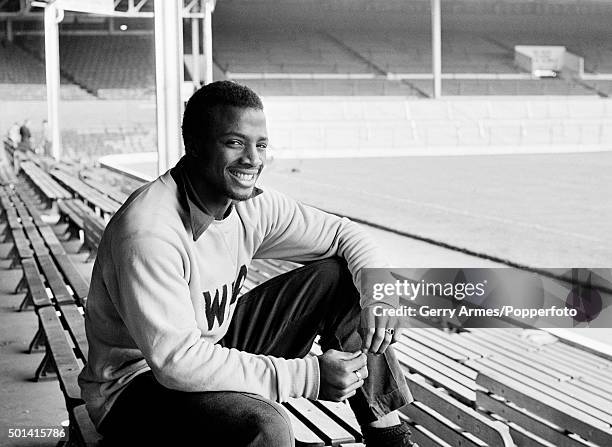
(200, 110)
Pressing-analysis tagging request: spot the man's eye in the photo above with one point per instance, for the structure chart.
(262, 146)
(234, 143)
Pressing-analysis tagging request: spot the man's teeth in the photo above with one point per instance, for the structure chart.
(243, 176)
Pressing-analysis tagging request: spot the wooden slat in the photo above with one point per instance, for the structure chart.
(104, 203)
(524, 438)
(533, 356)
(562, 349)
(531, 360)
(21, 244)
(67, 208)
(304, 436)
(453, 340)
(36, 287)
(412, 348)
(531, 423)
(553, 410)
(84, 427)
(50, 238)
(598, 384)
(506, 364)
(405, 344)
(77, 283)
(592, 405)
(569, 388)
(459, 391)
(604, 393)
(425, 439)
(54, 280)
(580, 357)
(32, 209)
(578, 368)
(112, 192)
(66, 364)
(421, 337)
(436, 424)
(491, 432)
(319, 422)
(343, 415)
(36, 241)
(75, 324)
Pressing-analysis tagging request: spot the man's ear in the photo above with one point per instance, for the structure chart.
(189, 146)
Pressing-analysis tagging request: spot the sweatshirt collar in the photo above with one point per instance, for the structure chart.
(199, 216)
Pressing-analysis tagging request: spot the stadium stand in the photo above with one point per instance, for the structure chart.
(84, 144)
(22, 77)
(283, 51)
(270, 55)
(403, 52)
(121, 66)
(107, 66)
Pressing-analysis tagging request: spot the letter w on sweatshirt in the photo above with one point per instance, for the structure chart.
(214, 309)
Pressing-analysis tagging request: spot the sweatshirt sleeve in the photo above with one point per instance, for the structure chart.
(153, 299)
(299, 232)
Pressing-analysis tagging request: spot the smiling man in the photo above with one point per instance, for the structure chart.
(177, 355)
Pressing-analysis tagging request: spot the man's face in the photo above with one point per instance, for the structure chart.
(234, 153)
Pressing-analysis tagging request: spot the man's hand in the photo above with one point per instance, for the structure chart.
(378, 332)
(342, 373)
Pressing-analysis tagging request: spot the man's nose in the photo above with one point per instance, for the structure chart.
(252, 154)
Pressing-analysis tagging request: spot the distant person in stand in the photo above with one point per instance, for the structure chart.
(25, 143)
(178, 356)
(44, 148)
(13, 135)
(6, 174)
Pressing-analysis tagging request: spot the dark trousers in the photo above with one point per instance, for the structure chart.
(281, 317)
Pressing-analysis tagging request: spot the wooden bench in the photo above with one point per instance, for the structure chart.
(93, 228)
(548, 394)
(103, 205)
(60, 273)
(14, 230)
(74, 213)
(106, 189)
(56, 291)
(50, 190)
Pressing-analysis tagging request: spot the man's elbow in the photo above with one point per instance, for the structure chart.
(173, 375)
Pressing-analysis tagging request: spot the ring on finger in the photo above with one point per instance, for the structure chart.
(390, 331)
(359, 376)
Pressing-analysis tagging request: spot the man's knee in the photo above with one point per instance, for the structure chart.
(332, 272)
(271, 426)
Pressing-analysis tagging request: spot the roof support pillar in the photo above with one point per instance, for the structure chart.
(168, 80)
(209, 6)
(52, 73)
(195, 49)
(436, 47)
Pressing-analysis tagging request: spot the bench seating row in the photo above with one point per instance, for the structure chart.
(56, 291)
(50, 190)
(102, 204)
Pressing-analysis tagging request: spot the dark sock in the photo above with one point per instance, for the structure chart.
(394, 436)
